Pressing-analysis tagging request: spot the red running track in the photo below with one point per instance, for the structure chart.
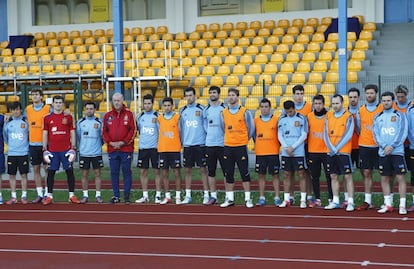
(153, 236)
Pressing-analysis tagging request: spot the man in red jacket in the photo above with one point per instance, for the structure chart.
(119, 131)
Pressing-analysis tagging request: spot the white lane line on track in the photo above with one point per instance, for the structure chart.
(196, 256)
(202, 225)
(207, 214)
(241, 240)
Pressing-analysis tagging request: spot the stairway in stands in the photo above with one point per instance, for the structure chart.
(394, 52)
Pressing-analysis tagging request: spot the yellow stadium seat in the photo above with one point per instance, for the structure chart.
(148, 72)
(208, 52)
(365, 35)
(302, 39)
(232, 80)
(270, 68)
(358, 55)
(246, 59)
(257, 91)
(208, 71)
(318, 37)
(241, 25)
(18, 52)
(162, 29)
(267, 49)
(298, 22)
(308, 57)
(41, 43)
(229, 43)
(84, 57)
(351, 36)
(194, 36)
(334, 66)
(50, 35)
(193, 52)
(255, 69)
(55, 50)
(180, 36)
(256, 25)
(264, 32)
(227, 26)
(329, 46)
(20, 59)
(312, 22)
(21, 70)
(32, 59)
(201, 44)
(298, 48)
(235, 33)
(200, 61)
(201, 27)
(287, 68)
(272, 40)
(208, 35)
(310, 89)
(261, 59)
(352, 76)
(292, 57)
(193, 71)
(39, 36)
(270, 24)
(80, 49)
(334, 37)
(223, 70)
(361, 45)
(239, 69)
(68, 50)
(187, 44)
(6, 52)
(354, 65)
(34, 69)
(320, 66)
(277, 58)
(369, 26)
(216, 60)
(265, 78)
(168, 37)
(298, 78)
(327, 89)
(288, 39)
(325, 56)
(157, 63)
(248, 80)
(281, 79)
(230, 60)
(249, 33)
(77, 41)
(303, 67)
(293, 30)
(99, 32)
(222, 51)
(221, 34)
(243, 42)
(314, 47)
(332, 77)
(215, 43)
(149, 30)
(237, 51)
(315, 77)
(326, 20)
(283, 23)
(278, 31)
(252, 103)
(217, 81)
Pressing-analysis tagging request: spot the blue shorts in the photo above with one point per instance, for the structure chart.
(57, 159)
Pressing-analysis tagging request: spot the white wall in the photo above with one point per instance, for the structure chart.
(182, 15)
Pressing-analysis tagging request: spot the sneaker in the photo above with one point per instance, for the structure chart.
(165, 201)
(142, 200)
(350, 207)
(332, 205)
(84, 200)
(205, 200)
(74, 200)
(364, 206)
(402, 210)
(187, 200)
(179, 202)
(1, 201)
(47, 200)
(227, 203)
(212, 201)
(291, 201)
(314, 203)
(249, 203)
(277, 201)
(127, 202)
(261, 202)
(344, 204)
(38, 200)
(385, 209)
(285, 204)
(12, 201)
(24, 200)
(99, 200)
(157, 199)
(115, 200)
(411, 208)
(303, 204)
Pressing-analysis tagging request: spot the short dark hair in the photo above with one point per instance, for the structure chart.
(319, 97)
(236, 91)
(57, 97)
(90, 103)
(401, 89)
(298, 88)
(371, 86)
(288, 104)
(388, 93)
(265, 100)
(168, 99)
(38, 91)
(15, 105)
(214, 88)
(149, 97)
(338, 95)
(354, 90)
(190, 89)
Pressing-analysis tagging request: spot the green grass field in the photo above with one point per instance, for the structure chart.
(62, 195)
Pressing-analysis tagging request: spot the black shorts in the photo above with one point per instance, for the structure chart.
(368, 158)
(392, 165)
(85, 162)
(36, 155)
(233, 155)
(170, 160)
(194, 155)
(339, 164)
(355, 157)
(17, 162)
(267, 163)
(293, 163)
(145, 156)
(214, 154)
